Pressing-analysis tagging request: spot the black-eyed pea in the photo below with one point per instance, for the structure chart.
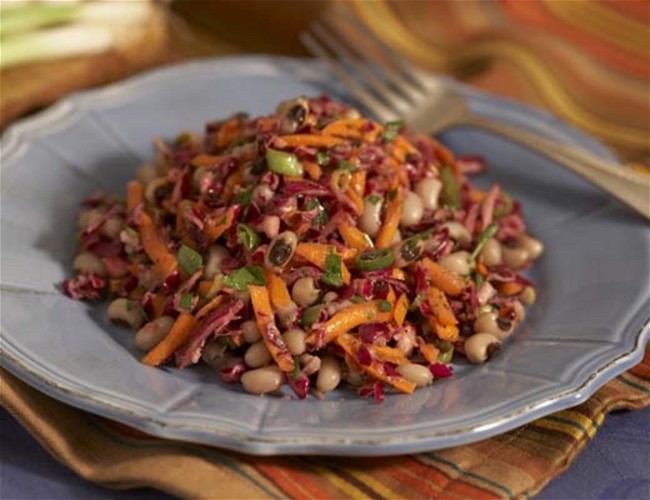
(216, 254)
(515, 258)
(310, 364)
(304, 291)
(88, 217)
(152, 333)
(126, 312)
(491, 253)
(533, 246)
(490, 322)
(429, 192)
(250, 331)
(520, 312)
(412, 210)
(257, 355)
(418, 374)
(329, 375)
(213, 352)
(370, 220)
(262, 380)
(113, 227)
(528, 295)
(457, 262)
(458, 233)
(87, 262)
(481, 346)
(295, 341)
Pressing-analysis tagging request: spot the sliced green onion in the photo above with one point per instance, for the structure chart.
(478, 279)
(450, 188)
(392, 129)
(504, 209)
(284, 163)
(190, 260)
(247, 236)
(244, 197)
(296, 367)
(240, 279)
(487, 233)
(374, 260)
(32, 16)
(374, 199)
(340, 179)
(356, 299)
(346, 165)
(446, 356)
(185, 301)
(415, 305)
(322, 158)
(322, 218)
(333, 275)
(384, 306)
(310, 315)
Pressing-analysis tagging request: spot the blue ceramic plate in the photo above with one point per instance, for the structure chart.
(587, 326)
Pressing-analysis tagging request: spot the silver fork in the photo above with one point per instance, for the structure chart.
(391, 88)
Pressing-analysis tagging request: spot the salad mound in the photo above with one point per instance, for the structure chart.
(309, 247)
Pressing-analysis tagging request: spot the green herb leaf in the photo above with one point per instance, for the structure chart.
(346, 165)
(450, 188)
(244, 197)
(322, 158)
(296, 367)
(392, 129)
(322, 217)
(247, 236)
(384, 306)
(356, 299)
(487, 233)
(374, 199)
(189, 259)
(240, 279)
(333, 274)
(310, 315)
(185, 301)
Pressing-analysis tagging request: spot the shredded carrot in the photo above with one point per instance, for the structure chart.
(354, 128)
(358, 182)
(179, 334)
(351, 346)
(356, 200)
(402, 148)
(446, 332)
(476, 196)
(158, 303)
(398, 274)
(351, 317)
(229, 131)
(391, 222)
(134, 194)
(429, 352)
(481, 267)
(510, 289)
(280, 297)
(114, 286)
(313, 169)
(204, 287)
(233, 180)
(269, 330)
(209, 307)
(215, 226)
(266, 124)
(391, 297)
(317, 253)
(354, 237)
(440, 307)
(444, 155)
(317, 141)
(446, 280)
(401, 308)
(204, 160)
(164, 261)
(390, 355)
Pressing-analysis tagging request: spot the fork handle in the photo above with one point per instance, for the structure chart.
(629, 187)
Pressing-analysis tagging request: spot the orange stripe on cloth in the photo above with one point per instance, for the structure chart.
(291, 479)
(533, 13)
